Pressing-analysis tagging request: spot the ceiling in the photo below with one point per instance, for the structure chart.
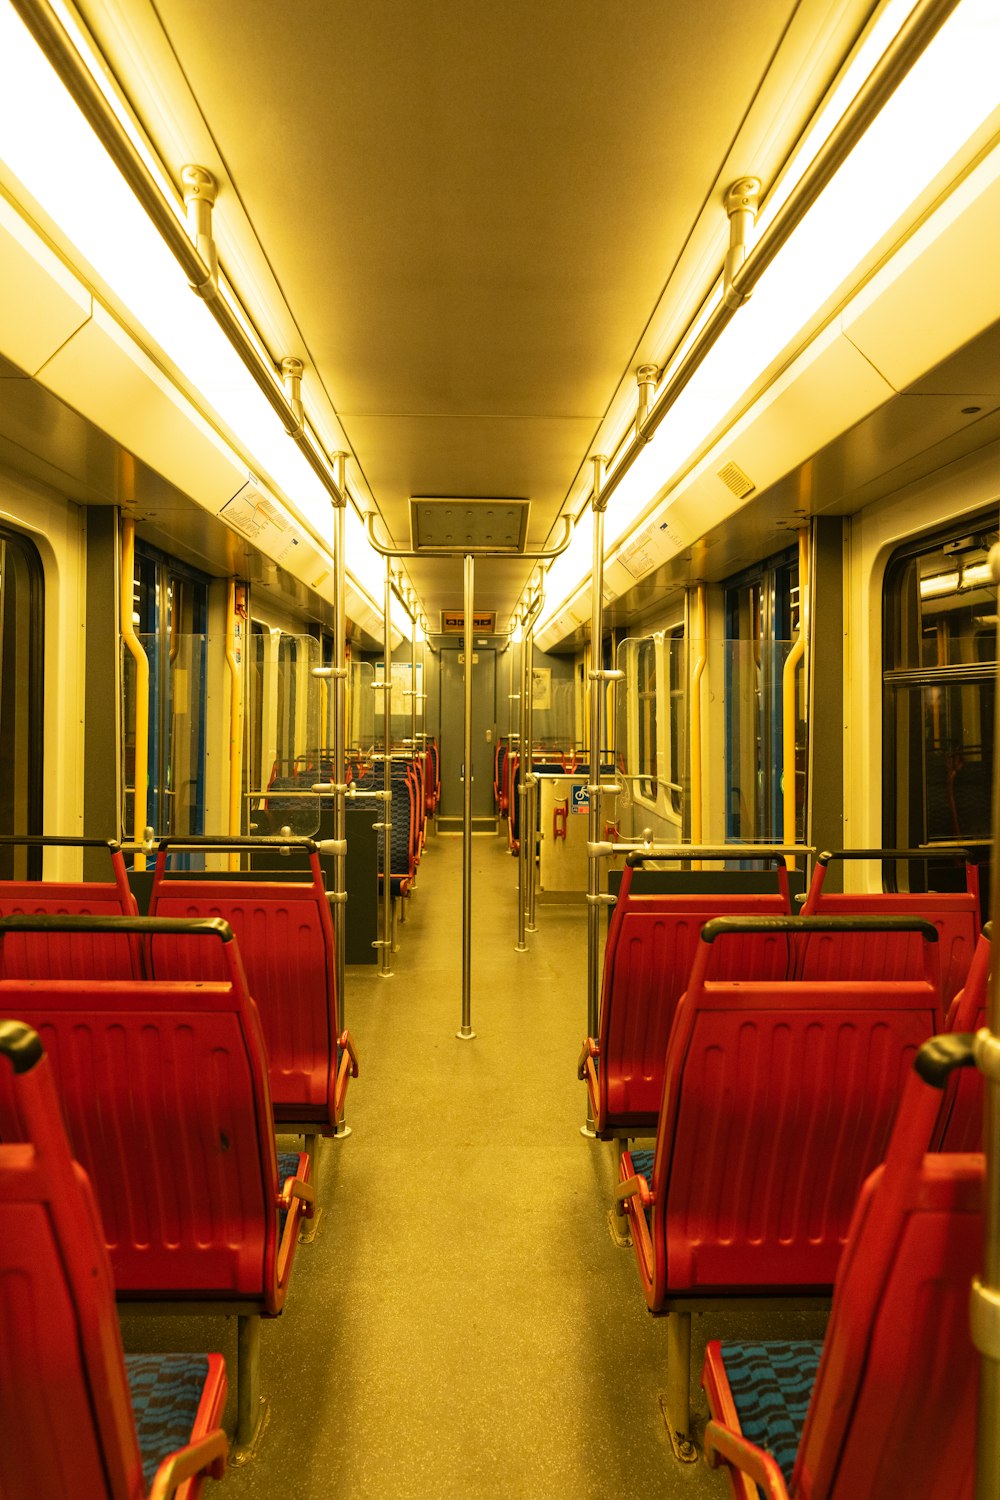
(472, 222)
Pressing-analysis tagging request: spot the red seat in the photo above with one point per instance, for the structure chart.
(778, 1100)
(32, 956)
(647, 960)
(65, 1407)
(164, 1090)
(286, 942)
(961, 1124)
(893, 1408)
(955, 914)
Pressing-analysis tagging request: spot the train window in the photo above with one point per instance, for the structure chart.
(939, 670)
(170, 615)
(762, 621)
(21, 661)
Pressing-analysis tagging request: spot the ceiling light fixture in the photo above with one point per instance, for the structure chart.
(947, 94)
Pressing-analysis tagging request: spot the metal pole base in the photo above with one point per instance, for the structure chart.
(520, 947)
(342, 1131)
(465, 1035)
(589, 1132)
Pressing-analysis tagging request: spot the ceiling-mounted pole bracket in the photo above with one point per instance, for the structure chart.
(291, 375)
(464, 550)
(598, 499)
(742, 202)
(200, 192)
(646, 378)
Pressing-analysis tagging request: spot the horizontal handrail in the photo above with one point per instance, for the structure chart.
(778, 852)
(85, 922)
(723, 926)
(939, 851)
(238, 841)
(59, 841)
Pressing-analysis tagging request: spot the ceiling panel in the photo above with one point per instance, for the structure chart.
(471, 211)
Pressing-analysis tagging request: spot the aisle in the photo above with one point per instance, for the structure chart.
(463, 1325)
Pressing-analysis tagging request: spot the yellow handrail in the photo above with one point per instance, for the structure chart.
(234, 661)
(134, 647)
(788, 699)
(698, 671)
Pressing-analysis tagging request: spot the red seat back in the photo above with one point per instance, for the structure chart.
(961, 1124)
(164, 1091)
(33, 955)
(647, 960)
(286, 942)
(955, 914)
(779, 1097)
(893, 1410)
(67, 1417)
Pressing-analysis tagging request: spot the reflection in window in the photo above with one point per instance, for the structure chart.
(762, 622)
(646, 700)
(939, 676)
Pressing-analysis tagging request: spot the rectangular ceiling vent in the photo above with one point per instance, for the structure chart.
(457, 524)
(734, 479)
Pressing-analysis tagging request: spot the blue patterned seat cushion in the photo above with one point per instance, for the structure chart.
(642, 1163)
(288, 1166)
(771, 1384)
(166, 1391)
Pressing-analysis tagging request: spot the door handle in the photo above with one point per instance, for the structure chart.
(559, 818)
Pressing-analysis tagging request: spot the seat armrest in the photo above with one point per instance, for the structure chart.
(589, 1050)
(206, 1456)
(722, 1446)
(294, 1188)
(631, 1187)
(346, 1044)
(348, 1069)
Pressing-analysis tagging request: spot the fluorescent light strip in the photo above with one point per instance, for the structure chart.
(948, 94)
(51, 149)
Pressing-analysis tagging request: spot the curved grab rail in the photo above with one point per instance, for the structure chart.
(464, 550)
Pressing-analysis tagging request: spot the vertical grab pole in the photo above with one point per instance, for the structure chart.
(386, 950)
(531, 786)
(697, 673)
(597, 681)
(234, 663)
(466, 1033)
(340, 739)
(788, 702)
(134, 647)
(522, 790)
(986, 1288)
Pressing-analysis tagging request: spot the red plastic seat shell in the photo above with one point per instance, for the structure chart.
(778, 1101)
(63, 1388)
(164, 1091)
(286, 942)
(651, 943)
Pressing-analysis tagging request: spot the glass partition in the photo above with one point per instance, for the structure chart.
(290, 717)
(361, 707)
(753, 674)
(651, 738)
(742, 733)
(178, 675)
(553, 711)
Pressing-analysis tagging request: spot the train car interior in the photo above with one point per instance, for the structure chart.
(499, 563)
